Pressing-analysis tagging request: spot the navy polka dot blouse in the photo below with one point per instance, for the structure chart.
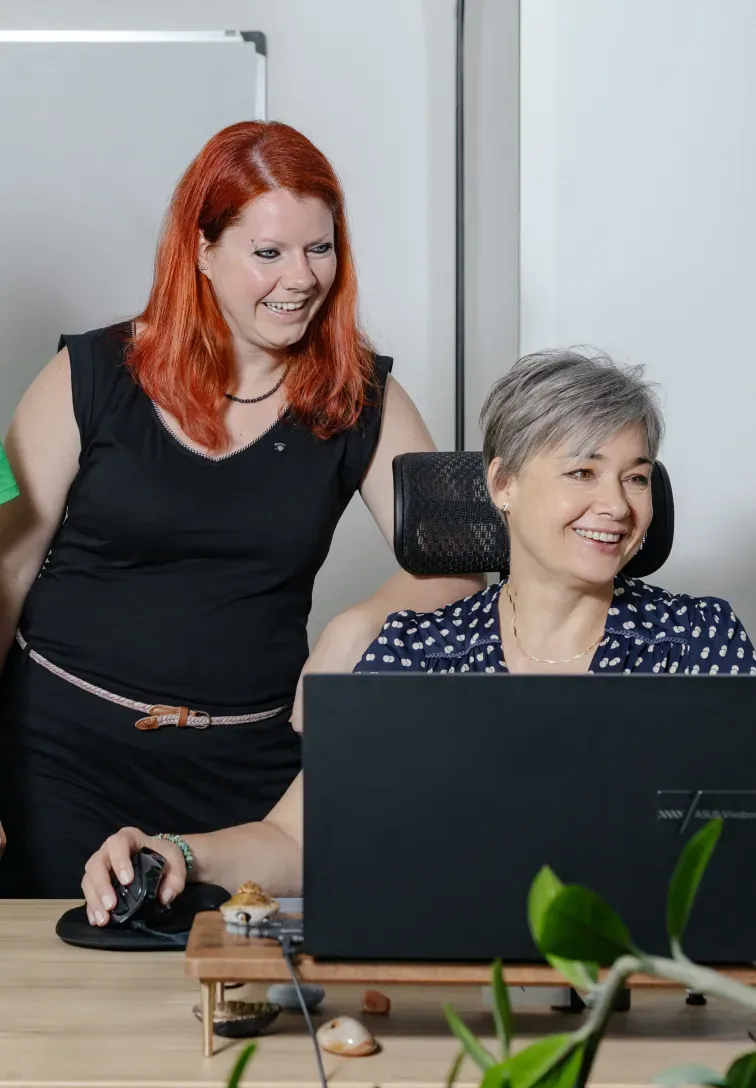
(647, 630)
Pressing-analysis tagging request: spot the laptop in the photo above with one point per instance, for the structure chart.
(430, 803)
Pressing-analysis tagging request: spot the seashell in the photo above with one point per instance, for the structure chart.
(285, 995)
(373, 1001)
(346, 1037)
(250, 905)
(241, 1019)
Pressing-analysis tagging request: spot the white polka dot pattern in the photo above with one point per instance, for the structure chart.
(680, 634)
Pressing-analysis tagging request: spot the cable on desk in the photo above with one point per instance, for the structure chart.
(286, 948)
(179, 939)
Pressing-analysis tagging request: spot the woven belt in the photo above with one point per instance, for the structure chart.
(155, 714)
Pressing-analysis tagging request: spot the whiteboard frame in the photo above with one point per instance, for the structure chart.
(230, 37)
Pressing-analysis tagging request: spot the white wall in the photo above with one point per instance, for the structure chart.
(639, 235)
(372, 83)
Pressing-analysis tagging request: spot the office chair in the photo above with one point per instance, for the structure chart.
(445, 522)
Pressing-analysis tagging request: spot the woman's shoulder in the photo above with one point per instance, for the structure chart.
(369, 419)
(108, 341)
(382, 367)
(359, 441)
(409, 638)
(99, 377)
(466, 614)
(659, 613)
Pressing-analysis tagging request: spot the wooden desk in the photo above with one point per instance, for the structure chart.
(71, 1017)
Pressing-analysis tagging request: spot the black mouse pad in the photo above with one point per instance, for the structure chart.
(170, 934)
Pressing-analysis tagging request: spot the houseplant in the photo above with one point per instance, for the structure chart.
(578, 932)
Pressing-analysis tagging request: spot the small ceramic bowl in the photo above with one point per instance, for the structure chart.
(241, 1019)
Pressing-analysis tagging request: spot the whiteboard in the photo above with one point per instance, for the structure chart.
(95, 131)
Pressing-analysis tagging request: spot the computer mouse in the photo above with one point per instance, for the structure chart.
(139, 922)
(140, 897)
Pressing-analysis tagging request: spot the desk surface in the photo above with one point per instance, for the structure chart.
(76, 1017)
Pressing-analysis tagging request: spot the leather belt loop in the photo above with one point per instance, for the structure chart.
(183, 714)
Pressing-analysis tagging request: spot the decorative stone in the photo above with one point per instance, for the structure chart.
(346, 1037)
(376, 1003)
(241, 1019)
(284, 994)
(249, 906)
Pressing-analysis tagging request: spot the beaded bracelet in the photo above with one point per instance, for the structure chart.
(183, 846)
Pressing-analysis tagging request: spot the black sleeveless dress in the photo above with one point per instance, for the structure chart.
(174, 578)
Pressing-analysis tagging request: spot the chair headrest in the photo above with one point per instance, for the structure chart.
(445, 522)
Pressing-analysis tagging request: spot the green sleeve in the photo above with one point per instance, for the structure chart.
(8, 486)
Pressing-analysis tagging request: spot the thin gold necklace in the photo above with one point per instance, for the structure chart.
(545, 660)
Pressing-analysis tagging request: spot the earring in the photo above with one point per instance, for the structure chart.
(643, 541)
(202, 267)
(505, 508)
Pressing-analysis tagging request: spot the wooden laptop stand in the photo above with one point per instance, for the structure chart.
(214, 957)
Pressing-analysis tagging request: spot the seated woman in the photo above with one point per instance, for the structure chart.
(569, 445)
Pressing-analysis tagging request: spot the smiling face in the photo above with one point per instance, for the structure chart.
(273, 268)
(579, 517)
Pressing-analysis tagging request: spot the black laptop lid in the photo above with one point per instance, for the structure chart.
(431, 803)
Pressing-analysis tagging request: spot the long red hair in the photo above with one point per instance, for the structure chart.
(182, 357)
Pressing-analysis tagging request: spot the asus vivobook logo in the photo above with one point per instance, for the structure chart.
(678, 809)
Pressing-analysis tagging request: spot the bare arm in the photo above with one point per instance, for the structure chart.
(43, 448)
(403, 431)
(345, 639)
(268, 852)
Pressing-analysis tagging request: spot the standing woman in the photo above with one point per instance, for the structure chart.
(182, 476)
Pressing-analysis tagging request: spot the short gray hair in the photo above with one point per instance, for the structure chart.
(553, 397)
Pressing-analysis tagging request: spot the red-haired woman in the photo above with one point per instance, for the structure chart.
(181, 478)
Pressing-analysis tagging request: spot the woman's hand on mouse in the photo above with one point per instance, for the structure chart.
(114, 857)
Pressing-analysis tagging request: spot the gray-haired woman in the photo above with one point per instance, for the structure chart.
(569, 444)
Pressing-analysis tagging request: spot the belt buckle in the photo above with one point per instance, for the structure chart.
(198, 719)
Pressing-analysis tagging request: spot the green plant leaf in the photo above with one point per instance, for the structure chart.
(528, 1067)
(482, 1057)
(579, 925)
(742, 1072)
(690, 868)
(683, 1075)
(565, 1074)
(502, 1009)
(543, 889)
(241, 1064)
(451, 1076)
(583, 976)
(496, 1077)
